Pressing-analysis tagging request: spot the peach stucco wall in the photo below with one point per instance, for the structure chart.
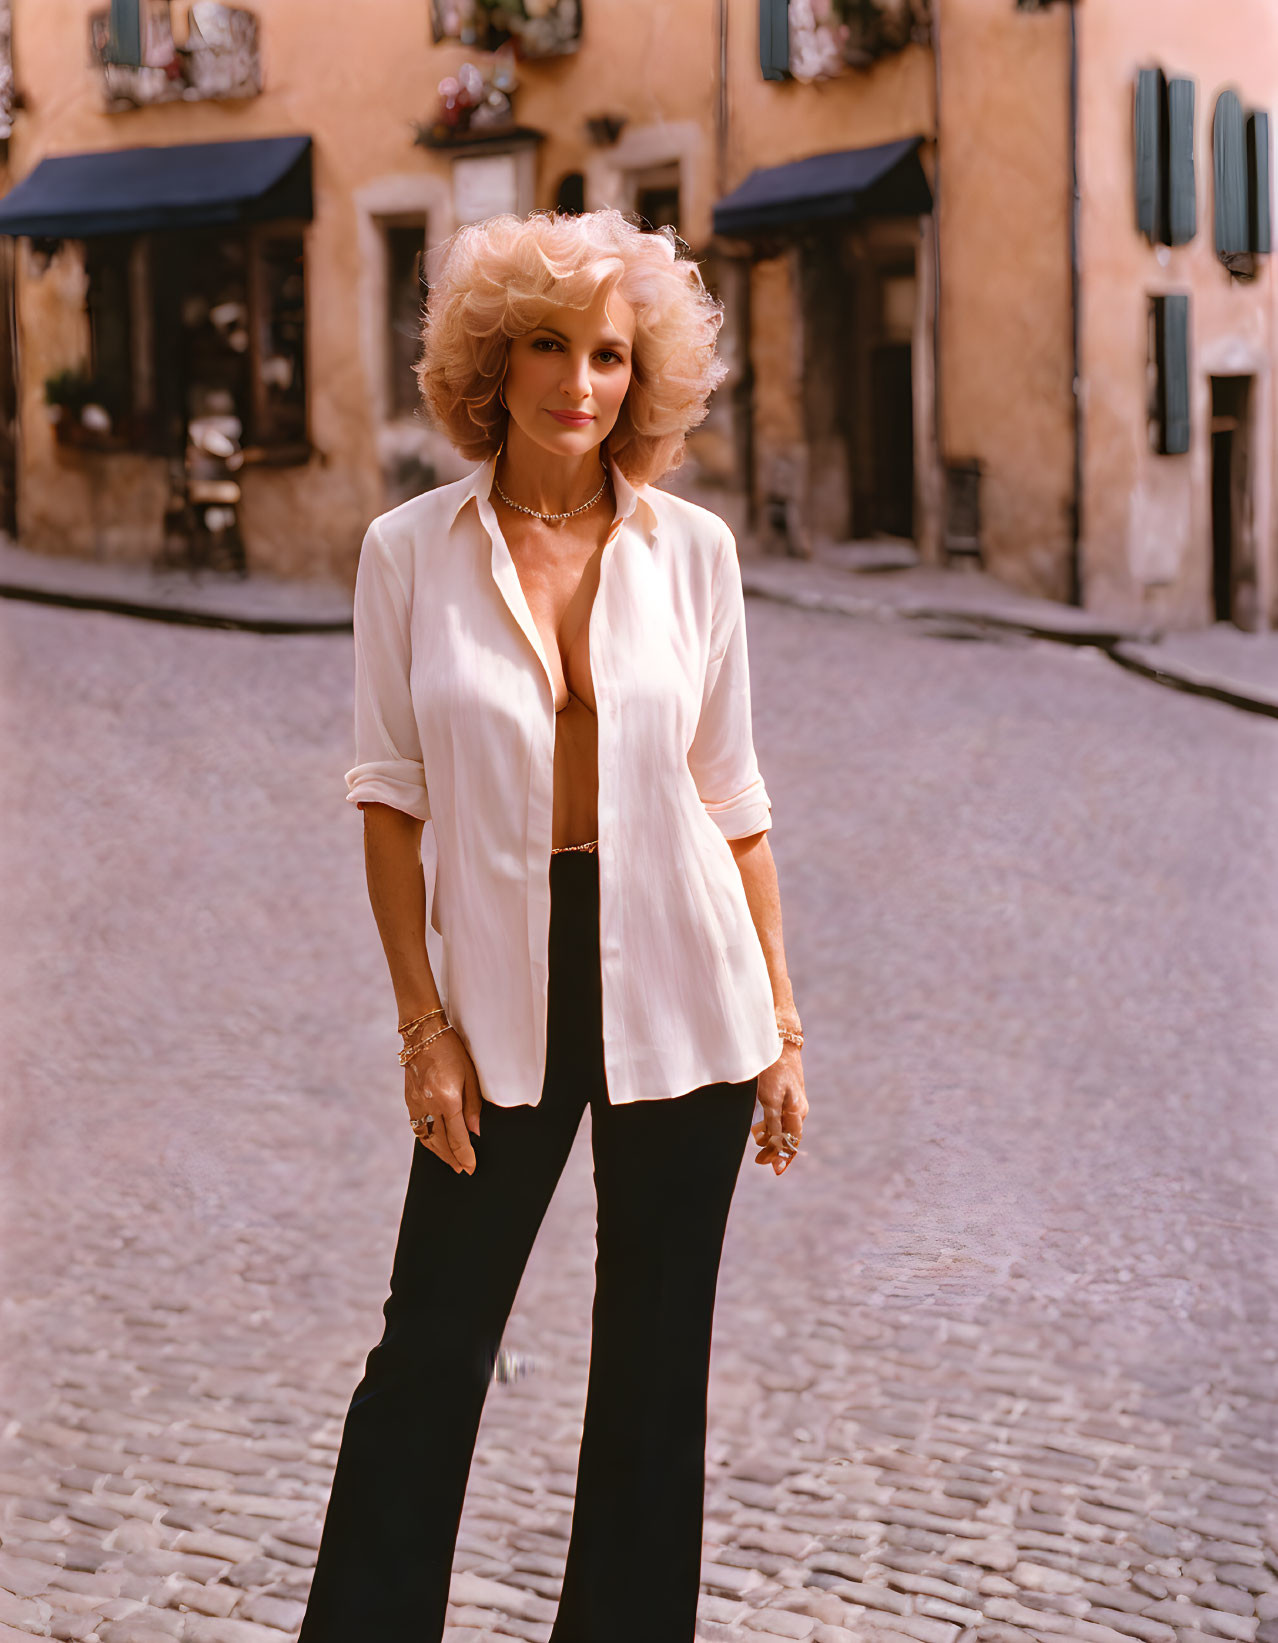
(1147, 518)
(355, 77)
(1005, 367)
(1001, 165)
(772, 121)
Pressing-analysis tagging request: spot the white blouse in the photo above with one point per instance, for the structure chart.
(455, 724)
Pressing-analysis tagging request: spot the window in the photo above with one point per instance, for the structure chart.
(124, 39)
(1169, 374)
(774, 39)
(405, 292)
(216, 55)
(547, 29)
(656, 196)
(571, 197)
(278, 314)
(207, 318)
(110, 329)
(1258, 181)
(1166, 194)
(1229, 141)
(1240, 145)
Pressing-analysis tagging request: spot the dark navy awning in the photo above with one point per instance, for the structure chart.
(887, 181)
(185, 185)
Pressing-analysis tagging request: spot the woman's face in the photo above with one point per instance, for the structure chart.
(566, 380)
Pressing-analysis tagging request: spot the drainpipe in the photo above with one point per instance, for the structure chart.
(721, 102)
(937, 418)
(743, 397)
(1076, 512)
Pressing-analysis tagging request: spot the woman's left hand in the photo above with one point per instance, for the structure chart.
(785, 1106)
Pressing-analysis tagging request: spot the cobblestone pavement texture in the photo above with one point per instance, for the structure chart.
(995, 1360)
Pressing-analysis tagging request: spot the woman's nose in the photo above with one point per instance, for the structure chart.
(577, 378)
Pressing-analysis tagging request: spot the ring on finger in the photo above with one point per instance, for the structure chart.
(425, 1123)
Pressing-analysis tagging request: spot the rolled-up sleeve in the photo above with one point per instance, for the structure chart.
(722, 756)
(388, 757)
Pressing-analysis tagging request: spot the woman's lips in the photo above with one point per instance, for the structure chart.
(572, 419)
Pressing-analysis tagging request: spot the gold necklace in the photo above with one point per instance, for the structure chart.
(551, 518)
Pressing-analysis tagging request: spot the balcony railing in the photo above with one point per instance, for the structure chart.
(218, 59)
(828, 37)
(536, 28)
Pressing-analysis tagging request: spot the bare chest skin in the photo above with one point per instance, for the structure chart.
(558, 568)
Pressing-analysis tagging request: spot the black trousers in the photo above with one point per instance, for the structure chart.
(664, 1171)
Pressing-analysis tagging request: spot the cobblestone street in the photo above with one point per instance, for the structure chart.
(996, 1359)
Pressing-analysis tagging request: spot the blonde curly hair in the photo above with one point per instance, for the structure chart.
(498, 279)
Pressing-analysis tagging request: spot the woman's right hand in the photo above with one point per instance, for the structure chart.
(442, 1080)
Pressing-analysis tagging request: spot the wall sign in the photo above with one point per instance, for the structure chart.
(484, 185)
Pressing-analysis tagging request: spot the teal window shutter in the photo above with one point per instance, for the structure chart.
(126, 33)
(1171, 346)
(1258, 180)
(1229, 142)
(1182, 195)
(1166, 186)
(774, 39)
(1148, 139)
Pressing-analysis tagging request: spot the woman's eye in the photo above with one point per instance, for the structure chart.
(608, 354)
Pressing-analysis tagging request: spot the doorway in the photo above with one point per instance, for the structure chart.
(892, 378)
(1233, 565)
(858, 294)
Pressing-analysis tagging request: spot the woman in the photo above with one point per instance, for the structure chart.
(551, 666)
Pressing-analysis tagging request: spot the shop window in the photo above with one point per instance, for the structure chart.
(186, 325)
(1169, 374)
(1240, 143)
(106, 403)
(278, 421)
(1166, 190)
(110, 329)
(405, 244)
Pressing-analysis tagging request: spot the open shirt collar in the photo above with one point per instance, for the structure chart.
(629, 499)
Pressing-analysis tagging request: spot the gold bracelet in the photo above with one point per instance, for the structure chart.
(406, 1027)
(410, 1050)
(790, 1035)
